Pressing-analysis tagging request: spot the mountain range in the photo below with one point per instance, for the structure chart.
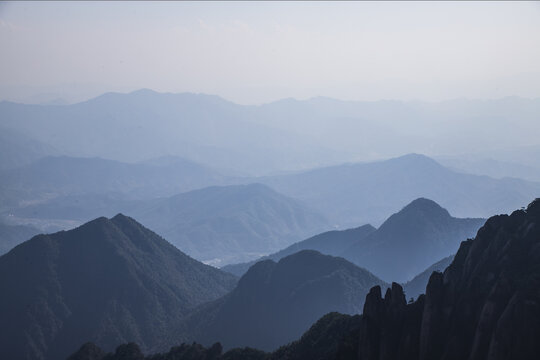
(362, 193)
(411, 240)
(228, 224)
(109, 281)
(330, 243)
(217, 224)
(57, 176)
(283, 135)
(346, 195)
(485, 305)
(407, 243)
(204, 128)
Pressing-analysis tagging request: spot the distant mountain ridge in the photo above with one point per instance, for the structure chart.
(204, 128)
(329, 243)
(412, 239)
(362, 193)
(227, 224)
(404, 245)
(215, 224)
(63, 175)
(108, 281)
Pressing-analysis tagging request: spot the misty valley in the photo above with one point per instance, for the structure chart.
(259, 180)
(179, 259)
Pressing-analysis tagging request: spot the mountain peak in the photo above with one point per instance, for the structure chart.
(285, 298)
(109, 279)
(416, 236)
(427, 206)
(415, 158)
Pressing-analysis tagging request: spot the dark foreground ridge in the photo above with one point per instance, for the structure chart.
(486, 305)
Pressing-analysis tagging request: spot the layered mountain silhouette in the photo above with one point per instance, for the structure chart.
(274, 303)
(330, 243)
(406, 244)
(485, 305)
(63, 176)
(227, 224)
(205, 128)
(217, 224)
(265, 138)
(411, 240)
(109, 281)
(363, 193)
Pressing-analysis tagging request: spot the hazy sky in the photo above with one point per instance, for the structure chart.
(259, 52)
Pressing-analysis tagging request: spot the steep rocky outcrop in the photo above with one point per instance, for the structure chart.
(486, 304)
(417, 285)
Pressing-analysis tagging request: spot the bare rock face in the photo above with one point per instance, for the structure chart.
(390, 328)
(486, 304)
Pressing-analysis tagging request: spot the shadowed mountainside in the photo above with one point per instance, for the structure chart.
(411, 240)
(274, 303)
(109, 281)
(485, 305)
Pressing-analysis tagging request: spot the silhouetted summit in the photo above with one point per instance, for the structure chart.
(411, 240)
(108, 281)
(274, 303)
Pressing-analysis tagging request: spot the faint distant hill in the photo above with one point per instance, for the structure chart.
(369, 192)
(62, 175)
(491, 167)
(283, 135)
(224, 224)
(274, 303)
(17, 149)
(329, 243)
(417, 285)
(109, 281)
(411, 240)
(12, 235)
(145, 124)
(217, 224)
